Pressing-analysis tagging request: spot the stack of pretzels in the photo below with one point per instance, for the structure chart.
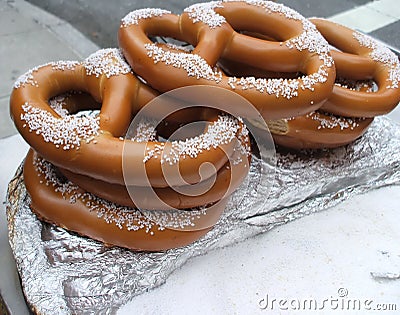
(317, 84)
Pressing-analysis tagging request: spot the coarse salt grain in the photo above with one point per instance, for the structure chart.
(334, 121)
(123, 217)
(205, 13)
(382, 54)
(195, 66)
(187, 48)
(66, 132)
(58, 105)
(145, 131)
(223, 131)
(28, 79)
(109, 62)
(133, 17)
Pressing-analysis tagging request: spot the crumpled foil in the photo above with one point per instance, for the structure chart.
(63, 273)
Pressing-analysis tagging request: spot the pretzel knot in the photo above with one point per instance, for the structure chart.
(62, 202)
(94, 146)
(77, 175)
(367, 85)
(360, 57)
(216, 30)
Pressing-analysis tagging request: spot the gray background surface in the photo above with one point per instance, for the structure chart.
(99, 19)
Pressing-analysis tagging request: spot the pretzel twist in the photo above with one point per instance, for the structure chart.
(360, 57)
(318, 130)
(226, 181)
(374, 73)
(367, 84)
(209, 191)
(58, 201)
(94, 146)
(88, 150)
(314, 130)
(213, 30)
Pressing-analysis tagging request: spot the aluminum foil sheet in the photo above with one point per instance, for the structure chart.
(63, 273)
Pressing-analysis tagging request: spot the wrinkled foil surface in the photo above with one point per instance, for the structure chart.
(63, 273)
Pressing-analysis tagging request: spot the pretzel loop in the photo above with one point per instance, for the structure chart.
(367, 85)
(85, 145)
(257, 52)
(213, 29)
(361, 58)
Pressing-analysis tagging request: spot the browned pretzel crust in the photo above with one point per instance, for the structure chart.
(214, 31)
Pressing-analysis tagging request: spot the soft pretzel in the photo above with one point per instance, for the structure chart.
(360, 57)
(317, 130)
(60, 202)
(93, 146)
(366, 84)
(227, 179)
(211, 190)
(213, 30)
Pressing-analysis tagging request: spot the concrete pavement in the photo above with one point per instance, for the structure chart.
(29, 37)
(99, 19)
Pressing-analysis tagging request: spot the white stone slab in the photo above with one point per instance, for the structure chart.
(390, 8)
(369, 17)
(313, 258)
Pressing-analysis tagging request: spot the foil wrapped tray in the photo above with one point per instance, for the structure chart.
(64, 273)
